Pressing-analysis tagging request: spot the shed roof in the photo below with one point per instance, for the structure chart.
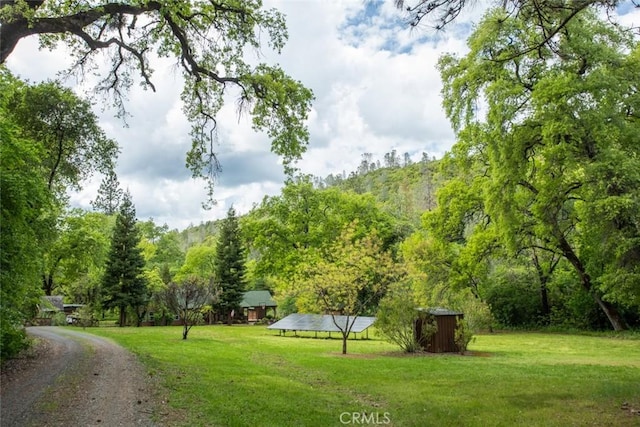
(257, 299)
(440, 311)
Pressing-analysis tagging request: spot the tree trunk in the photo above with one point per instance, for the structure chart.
(47, 284)
(123, 316)
(344, 342)
(544, 300)
(609, 309)
(543, 278)
(185, 330)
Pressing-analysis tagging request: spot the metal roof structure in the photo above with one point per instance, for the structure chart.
(257, 299)
(321, 323)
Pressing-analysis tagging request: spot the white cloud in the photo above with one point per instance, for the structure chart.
(376, 87)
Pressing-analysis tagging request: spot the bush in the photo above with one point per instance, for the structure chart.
(14, 339)
(463, 335)
(514, 298)
(477, 313)
(59, 319)
(396, 318)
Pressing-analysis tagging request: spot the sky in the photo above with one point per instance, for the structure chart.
(376, 89)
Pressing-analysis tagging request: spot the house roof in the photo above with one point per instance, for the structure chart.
(257, 299)
(53, 300)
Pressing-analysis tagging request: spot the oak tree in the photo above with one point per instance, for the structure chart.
(209, 41)
(302, 218)
(74, 146)
(548, 17)
(558, 132)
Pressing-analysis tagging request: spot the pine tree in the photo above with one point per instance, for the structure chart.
(229, 266)
(123, 284)
(109, 195)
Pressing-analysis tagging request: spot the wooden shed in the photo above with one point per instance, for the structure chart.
(443, 340)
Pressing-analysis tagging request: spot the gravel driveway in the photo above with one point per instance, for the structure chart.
(74, 378)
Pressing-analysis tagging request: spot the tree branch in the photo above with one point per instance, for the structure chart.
(19, 27)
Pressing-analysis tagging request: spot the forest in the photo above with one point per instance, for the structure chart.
(531, 220)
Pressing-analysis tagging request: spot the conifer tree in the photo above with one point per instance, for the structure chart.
(109, 195)
(123, 284)
(230, 266)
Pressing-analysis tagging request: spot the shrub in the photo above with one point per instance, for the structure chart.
(396, 318)
(463, 335)
(14, 339)
(59, 319)
(477, 314)
(514, 298)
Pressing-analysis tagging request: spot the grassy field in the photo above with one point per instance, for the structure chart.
(250, 376)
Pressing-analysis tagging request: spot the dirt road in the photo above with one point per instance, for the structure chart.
(74, 378)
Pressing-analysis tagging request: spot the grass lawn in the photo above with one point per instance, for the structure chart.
(250, 376)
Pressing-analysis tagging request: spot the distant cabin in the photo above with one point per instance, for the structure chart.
(256, 305)
(50, 305)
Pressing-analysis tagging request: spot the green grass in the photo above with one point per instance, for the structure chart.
(249, 376)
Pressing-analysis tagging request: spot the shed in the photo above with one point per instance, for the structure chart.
(444, 339)
(255, 305)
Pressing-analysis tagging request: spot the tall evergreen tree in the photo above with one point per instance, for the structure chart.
(109, 195)
(230, 265)
(123, 284)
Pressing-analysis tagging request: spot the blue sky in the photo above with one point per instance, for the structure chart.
(376, 88)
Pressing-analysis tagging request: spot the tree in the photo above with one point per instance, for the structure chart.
(168, 257)
(188, 300)
(24, 229)
(230, 265)
(550, 17)
(109, 194)
(349, 278)
(200, 261)
(209, 41)
(123, 283)
(559, 141)
(396, 318)
(284, 228)
(74, 145)
(78, 250)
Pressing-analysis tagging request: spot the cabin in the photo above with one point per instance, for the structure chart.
(444, 339)
(48, 307)
(256, 305)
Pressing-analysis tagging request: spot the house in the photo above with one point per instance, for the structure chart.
(48, 307)
(256, 304)
(51, 304)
